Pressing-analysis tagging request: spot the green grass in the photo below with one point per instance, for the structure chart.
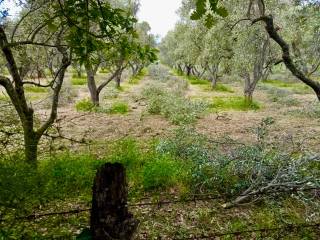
(197, 81)
(85, 105)
(33, 89)
(119, 108)
(79, 81)
(295, 87)
(219, 88)
(137, 78)
(102, 70)
(233, 103)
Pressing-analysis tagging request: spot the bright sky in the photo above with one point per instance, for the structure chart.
(160, 14)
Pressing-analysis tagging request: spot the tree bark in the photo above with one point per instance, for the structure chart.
(94, 93)
(110, 218)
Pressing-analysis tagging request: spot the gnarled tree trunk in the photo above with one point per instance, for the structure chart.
(93, 90)
(110, 218)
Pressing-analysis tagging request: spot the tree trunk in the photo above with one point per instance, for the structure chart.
(189, 69)
(110, 218)
(248, 97)
(118, 82)
(214, 81)
(31, 141)
(94, 93)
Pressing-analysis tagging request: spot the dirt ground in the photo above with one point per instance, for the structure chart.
(137, 123)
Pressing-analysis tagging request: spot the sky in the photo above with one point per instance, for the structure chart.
(160, 14)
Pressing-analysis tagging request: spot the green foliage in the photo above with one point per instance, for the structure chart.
(234, 103)
(76, 81)
(231, 172)
(68, 175)
(202, 11)
(137, 78)
(34, 89)
(119, 108)
(159, 72)
(172, 105)
(103, 70)
(164, 173)
(85, 105)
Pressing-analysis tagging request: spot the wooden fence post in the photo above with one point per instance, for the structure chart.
(110, 218)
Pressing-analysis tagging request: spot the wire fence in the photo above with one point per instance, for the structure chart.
(159, 203)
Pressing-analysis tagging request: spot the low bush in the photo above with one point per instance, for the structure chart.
(159, 72)
(173, 105)
(243, 167)
(119, 108)
(85, 105)
(234, 103)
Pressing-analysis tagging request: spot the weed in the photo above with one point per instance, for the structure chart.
(34, 89)
(119, 108)
(104, 70)
(137, 78)
(294, 87)
(234, 103)
(219, 88)
(163, 173)
(79, 81)
(85, 105)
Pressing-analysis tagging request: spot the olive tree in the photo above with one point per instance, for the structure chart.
(62, 27)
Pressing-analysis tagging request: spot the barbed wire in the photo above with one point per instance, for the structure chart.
(160, 203)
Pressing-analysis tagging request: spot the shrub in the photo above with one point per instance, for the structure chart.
(173, 105)
(234, 103)
(85, 105)
(119, 108)
(79, 81)
(235, 171)
(159, 72)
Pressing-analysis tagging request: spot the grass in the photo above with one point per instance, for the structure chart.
(85, 105)
(34, 89)
(76, 81)
(119, 108)
(102, 70)
(176, 165)
(205, 84)
(137, 78)
(219, 88)
(234, 103)
(298, 88)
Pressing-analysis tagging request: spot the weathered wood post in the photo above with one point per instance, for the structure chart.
(110, 218)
